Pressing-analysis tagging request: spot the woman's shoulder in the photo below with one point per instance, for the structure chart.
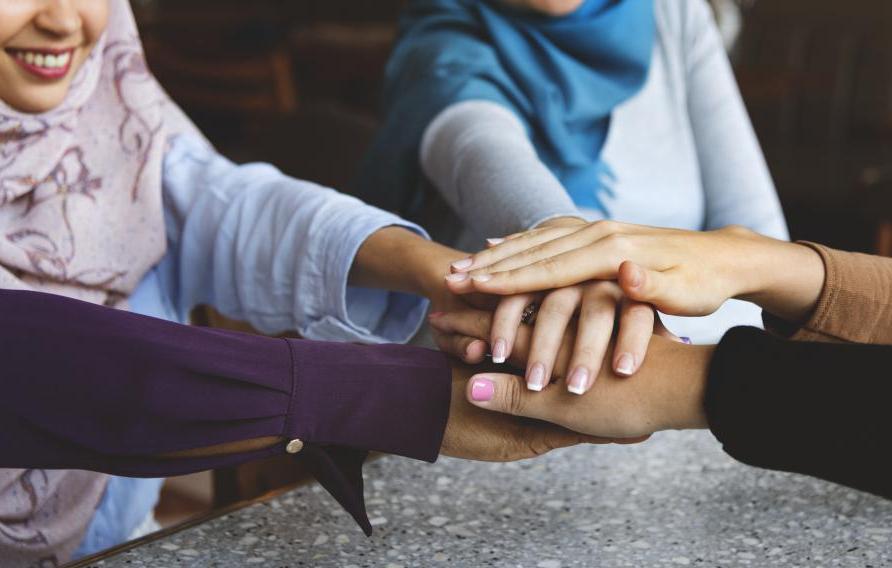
(682, 19)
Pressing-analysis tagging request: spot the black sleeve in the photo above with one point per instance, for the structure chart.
(814, 408)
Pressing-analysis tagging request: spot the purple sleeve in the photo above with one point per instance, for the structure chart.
(88, 387)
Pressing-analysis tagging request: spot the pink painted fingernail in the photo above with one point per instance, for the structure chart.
(459, 277)
(625, 365)
(482, 390)
(536, 379)
(494, 242)
(500, 351)
(578, 381)
(463, 264)
(482, 278)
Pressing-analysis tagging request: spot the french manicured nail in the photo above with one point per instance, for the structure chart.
(463, 264)
(482, 390)
(686, 340)
(578, 381)
(500, 351)
(482, 278)
(494, 242)
(625, 365)
(536, 380)
(459, 277)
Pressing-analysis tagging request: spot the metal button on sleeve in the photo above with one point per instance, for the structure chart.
(294, 446)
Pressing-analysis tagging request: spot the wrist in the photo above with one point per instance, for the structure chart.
(788, 280)
(674, 376)
(430, 264)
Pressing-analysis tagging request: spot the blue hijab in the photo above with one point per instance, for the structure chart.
(562, 76)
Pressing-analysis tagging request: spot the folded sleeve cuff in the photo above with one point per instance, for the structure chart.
(363, 315)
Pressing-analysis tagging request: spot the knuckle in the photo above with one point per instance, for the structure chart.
(513, 398)
(606, 226)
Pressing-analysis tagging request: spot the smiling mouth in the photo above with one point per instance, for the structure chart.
(44, 63)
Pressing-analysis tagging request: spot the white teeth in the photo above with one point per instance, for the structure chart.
(48, 61)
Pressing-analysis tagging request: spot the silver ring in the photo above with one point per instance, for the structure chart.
(529, 314)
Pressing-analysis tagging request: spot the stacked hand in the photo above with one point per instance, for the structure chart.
(594, 271)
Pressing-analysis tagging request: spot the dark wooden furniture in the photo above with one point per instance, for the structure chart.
(817, 78)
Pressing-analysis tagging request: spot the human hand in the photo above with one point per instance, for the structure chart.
(588, 311)
(667, 393)
(476, 434)
(685, 273)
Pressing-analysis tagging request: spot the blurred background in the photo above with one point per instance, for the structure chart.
(296, 83)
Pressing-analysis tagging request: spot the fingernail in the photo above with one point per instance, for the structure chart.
(536, 380)
(494, 242)
(463, 264)
(578, 381)
(460, 277)
(469, 348)
(436, 314)
(482, 278)
(500, 351)
(686, 340)
(482, 390)
(625, 365)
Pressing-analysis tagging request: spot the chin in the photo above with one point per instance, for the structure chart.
(36, 100)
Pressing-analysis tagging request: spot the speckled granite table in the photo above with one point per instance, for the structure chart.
(674, 501)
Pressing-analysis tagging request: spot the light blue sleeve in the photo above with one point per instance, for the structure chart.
(737, 184)
(274, 251)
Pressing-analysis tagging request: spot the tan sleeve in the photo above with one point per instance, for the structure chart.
(856, 302)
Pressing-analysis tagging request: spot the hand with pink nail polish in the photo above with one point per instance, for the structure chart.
(667, 393)
(475, 434)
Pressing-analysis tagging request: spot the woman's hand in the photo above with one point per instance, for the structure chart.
(685, 273)
(590, 311)
(397, 259)
(475, 434)
(667, 393)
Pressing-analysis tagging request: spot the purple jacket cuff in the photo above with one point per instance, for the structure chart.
(88, 387)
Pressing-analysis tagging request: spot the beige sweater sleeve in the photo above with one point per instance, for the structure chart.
(856, 302)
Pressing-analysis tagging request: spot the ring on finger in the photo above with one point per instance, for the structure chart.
(528, 317)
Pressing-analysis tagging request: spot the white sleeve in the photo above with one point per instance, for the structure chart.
(736, 181)
(479, 157)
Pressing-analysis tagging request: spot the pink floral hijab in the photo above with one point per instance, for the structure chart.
(81, 216)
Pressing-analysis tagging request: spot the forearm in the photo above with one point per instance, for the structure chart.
(814, 408)
(88, 387)
(479, 157)
(671, 384)
(400, 260)
(275, 251)
(784, 279)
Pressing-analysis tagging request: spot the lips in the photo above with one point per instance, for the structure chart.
(44, 63)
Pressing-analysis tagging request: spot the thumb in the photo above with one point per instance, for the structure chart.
(507, 394)
(643, 285)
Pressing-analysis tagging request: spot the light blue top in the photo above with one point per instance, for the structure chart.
(262, 248)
